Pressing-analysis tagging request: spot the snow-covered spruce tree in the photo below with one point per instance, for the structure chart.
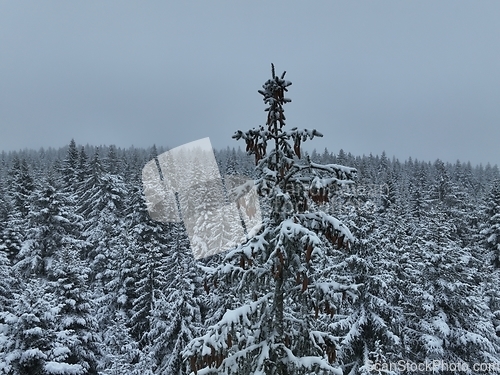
(164, 306)
(41, 338)
(491, 229)
(275, 277)
(53, 225)
(76, 345)
(150, 278)
(67, 343)
(69, 169)
(371, 324)
(102, 205)
(491, 233)
(149, 241)
(84, 168)
(7, 287)
(14, 207)
(176, 318)
(4, 203)
(30, 331)
(21, 186)
(12, 232)
(447, 317)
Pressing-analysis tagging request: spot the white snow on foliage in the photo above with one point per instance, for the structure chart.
(32, 354)
(57, 368)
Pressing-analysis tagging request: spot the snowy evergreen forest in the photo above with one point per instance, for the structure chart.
(407, 266)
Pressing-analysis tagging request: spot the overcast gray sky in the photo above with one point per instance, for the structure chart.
(419, 79)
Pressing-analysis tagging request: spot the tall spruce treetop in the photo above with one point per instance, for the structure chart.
(69, 168)
(22, 186)
(277, 278)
